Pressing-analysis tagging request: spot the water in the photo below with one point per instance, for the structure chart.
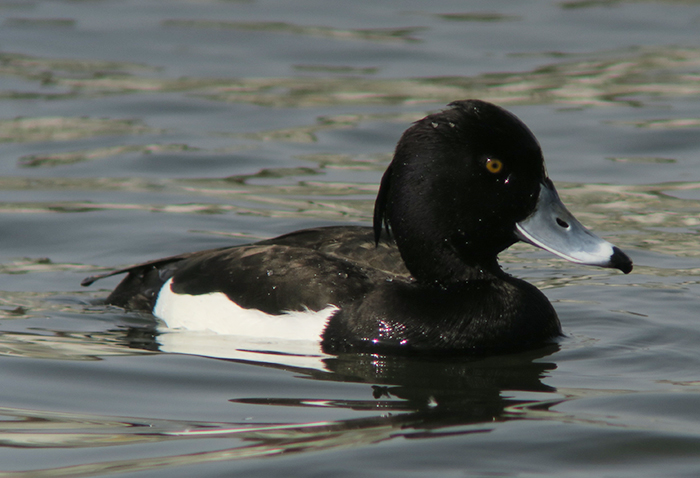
(131, 130)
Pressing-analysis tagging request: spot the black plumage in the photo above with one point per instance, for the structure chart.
(425, 277)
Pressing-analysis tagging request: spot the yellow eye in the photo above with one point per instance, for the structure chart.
(494, 165)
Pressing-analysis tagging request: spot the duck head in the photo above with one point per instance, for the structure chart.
(468, 182)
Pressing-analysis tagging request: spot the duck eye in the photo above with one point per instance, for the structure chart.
(494, 165)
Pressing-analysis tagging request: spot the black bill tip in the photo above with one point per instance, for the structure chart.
(620, 260)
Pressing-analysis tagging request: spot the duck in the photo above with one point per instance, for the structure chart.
(464, 184)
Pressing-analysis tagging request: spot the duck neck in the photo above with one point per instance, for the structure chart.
(445, 265)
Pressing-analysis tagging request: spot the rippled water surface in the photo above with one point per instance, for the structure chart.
(131, 130)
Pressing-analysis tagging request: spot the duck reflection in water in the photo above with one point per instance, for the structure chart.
(411, 397)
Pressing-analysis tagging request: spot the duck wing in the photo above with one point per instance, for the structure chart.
(311, 268)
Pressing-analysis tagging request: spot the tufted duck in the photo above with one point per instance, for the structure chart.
(464, 184)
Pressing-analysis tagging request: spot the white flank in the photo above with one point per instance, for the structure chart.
(212, 325)
(216, 313)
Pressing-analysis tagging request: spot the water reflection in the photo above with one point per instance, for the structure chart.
(369, 34)
(413, 398)
(444, 392)
(625, 76)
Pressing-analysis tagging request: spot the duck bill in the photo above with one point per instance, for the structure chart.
(553, 228)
